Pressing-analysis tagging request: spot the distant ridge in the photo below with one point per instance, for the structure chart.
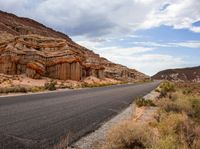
(191, 74)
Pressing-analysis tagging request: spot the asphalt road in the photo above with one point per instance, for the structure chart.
(41, 120)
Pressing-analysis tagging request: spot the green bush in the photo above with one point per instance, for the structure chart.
(51, 86)
(166, 88)
(140, 102)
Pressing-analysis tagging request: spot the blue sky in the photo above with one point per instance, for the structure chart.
(148, 35)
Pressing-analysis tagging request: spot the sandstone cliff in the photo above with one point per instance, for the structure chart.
(28, 47)
(180, 75)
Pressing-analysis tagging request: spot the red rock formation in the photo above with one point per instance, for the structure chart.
(29, 47)
(35, 70)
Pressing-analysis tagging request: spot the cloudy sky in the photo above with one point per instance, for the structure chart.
(149, 35)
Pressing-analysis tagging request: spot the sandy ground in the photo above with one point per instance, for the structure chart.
(92, 80)
(8, 81)
(22, 80)
(12, 80)
(143, 114)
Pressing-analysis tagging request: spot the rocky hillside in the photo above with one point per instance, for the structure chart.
(28, 47)
(14, 25)
(181, 75)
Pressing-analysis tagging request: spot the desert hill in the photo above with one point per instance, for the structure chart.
(183, 74)
(14, 25)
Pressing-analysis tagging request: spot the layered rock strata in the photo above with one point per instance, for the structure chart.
(28, 47)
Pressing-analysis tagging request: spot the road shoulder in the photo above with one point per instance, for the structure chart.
(97, 137)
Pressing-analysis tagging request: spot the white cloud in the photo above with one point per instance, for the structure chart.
(152, 63)
(187, 44)
(97, 21)
(195, 29)
(147, 63)
(125, 52)
(102, 18)
(140, 59)
(180, 14)
(143, 56)
(151, 44)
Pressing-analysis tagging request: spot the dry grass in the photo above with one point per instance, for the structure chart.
(176, 126)
(191, 87)
(14, 89)
(129, 135)
(93, 85)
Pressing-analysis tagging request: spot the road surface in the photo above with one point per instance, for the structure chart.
(41, 120)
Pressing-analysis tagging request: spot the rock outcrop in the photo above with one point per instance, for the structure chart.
(180, 75)
(14, 25)
(28, 47)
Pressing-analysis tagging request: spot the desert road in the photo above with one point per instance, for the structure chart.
(34, 120)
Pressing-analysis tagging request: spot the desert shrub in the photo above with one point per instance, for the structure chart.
(187, 91)
(64, 86)
(37, 89)
(169, 124)
(189, 132)
(144, 102)
(195, 113)
(157, 90)
(14, 89)
(172, 107)
(130, 135)
(166, 88)
(93, 85)
(177, 103)
(50, 85)
(177, 107)
(179, 126)
(168, 142)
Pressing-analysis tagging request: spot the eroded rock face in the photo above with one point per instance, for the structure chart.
(28, 47)
(38, 56)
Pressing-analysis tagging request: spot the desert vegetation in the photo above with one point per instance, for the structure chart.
(22, 84)
(51, 86)
(140, 102)
(176, 124)
(93, 85)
